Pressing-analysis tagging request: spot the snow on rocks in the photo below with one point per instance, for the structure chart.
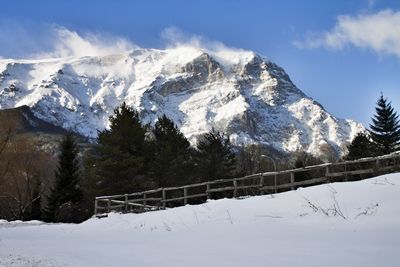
(233, 90)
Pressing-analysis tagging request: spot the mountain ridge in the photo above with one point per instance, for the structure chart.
(235, 91)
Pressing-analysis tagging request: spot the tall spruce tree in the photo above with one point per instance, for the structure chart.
(215, 158)
(361, 147)
(385, 127)
(67, 176)
(121, 159)
(172, 162)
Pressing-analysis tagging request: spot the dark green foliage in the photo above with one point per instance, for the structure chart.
(215, 158)
(172, 157)
(384, 136)
(122, 155)
(385, 128)
(361, 147)
(304, 159)
(90, 179)
(67, 176)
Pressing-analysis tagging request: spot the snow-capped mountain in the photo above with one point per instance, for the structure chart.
(236, 91)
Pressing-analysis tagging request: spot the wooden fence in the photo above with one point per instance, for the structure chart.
(256, 184)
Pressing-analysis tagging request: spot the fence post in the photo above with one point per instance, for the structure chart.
(377, 165)
(292, 180)
(144, 201)
(327, 173)
(208, 191)
(164, 204)
(185, 201)
(235, 188)
(95, 206)
(109, 205)
(126, 202)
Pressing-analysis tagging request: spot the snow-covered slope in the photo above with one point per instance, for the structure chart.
(340, 224)
(235, 91)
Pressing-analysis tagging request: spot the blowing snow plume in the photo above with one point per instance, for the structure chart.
(53, 41)
(175, 38)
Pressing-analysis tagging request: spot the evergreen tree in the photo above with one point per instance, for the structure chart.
(172, 162)
(67, 176)
(122, 155)
(361, 147)
(215, 157)
(385, 128)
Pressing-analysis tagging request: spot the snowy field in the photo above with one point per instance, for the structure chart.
(340, 224)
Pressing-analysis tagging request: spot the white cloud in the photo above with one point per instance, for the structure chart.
(33, 41)
(23, 40)
(175, 37)
(70, 43)
(228, 56)
(379, 32)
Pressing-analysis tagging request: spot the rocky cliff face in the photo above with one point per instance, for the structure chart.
(238, 92)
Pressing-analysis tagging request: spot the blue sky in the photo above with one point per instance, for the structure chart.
(342, 53)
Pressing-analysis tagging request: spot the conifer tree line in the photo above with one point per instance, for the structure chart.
(382, 138)
(131, 157)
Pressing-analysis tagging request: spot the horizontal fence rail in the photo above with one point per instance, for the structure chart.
(256, 184)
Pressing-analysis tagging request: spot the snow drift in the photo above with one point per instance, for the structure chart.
(339, 224)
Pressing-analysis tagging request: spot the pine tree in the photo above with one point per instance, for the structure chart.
(172, 162)
(122, 155)
(361, 147)
(67, 176)
(215, 157)
(385, 128)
